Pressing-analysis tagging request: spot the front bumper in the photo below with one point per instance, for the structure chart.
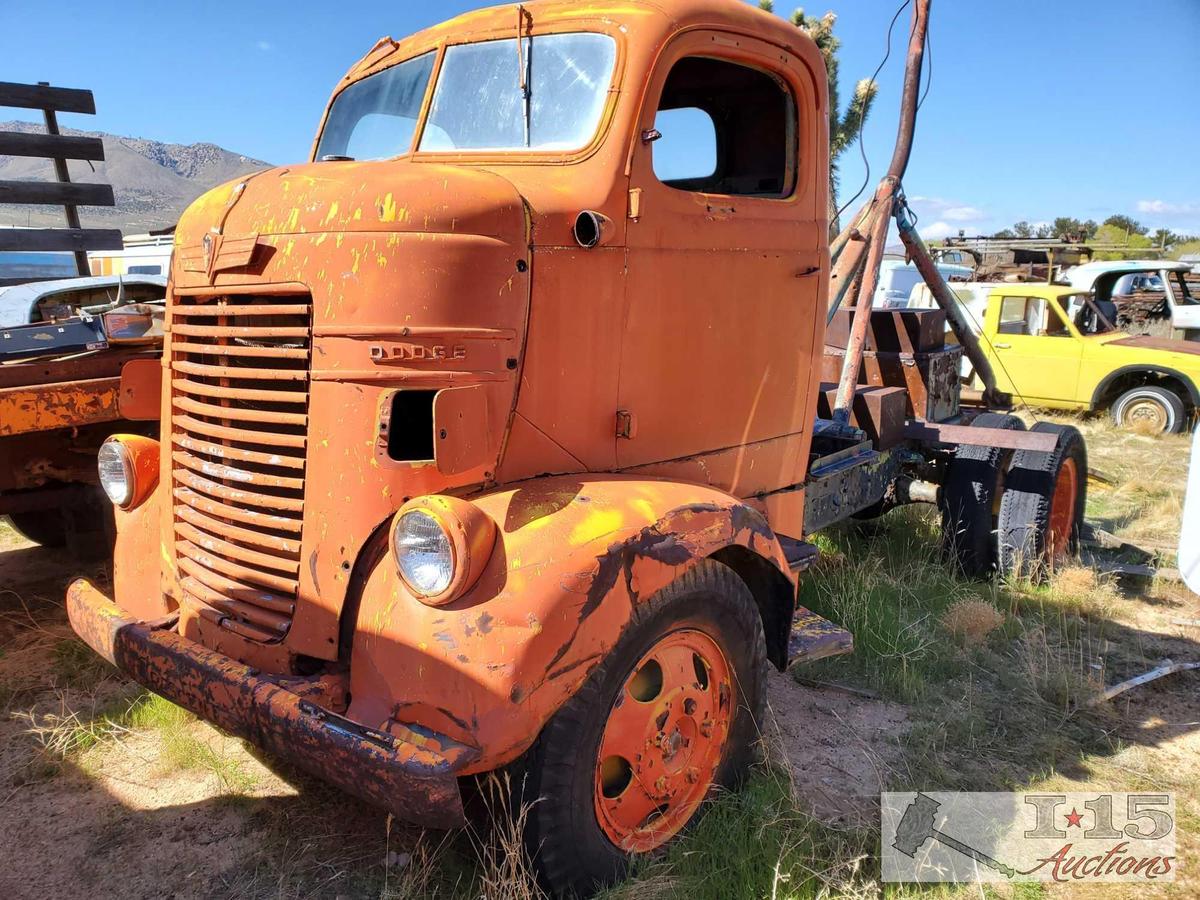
(417, 784)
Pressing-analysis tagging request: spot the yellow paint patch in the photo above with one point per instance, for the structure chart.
(387, 212)
(333, 211)
(644, 507)
(596, 525)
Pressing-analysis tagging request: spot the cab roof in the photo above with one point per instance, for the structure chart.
(642, 21)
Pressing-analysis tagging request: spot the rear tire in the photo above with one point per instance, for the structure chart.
(1157, 409)
(44, 526)
(1041, 512)
(585, 784)
(969, 500)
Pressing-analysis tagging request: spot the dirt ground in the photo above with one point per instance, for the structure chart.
(122, 819)
(95, 801)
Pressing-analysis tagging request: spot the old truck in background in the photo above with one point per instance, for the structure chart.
(65, 344)
(1145, 294)
(64, 347)
(492, 436)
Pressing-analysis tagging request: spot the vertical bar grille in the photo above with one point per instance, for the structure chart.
(239, 427)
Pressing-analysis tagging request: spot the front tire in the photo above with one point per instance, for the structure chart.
(1154, 409)
(670, 714)
(44, 526)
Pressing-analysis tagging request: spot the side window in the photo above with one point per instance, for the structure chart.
(1028, 315)
(726, 129)
(1012, 316)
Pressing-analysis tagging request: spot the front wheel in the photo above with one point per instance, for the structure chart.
(671, 713)
(43, 526)
(1150, 409)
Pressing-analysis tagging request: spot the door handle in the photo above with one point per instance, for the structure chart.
(1002, 346)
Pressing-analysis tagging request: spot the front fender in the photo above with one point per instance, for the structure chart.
(573, 556)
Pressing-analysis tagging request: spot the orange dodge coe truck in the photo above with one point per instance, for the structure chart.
(490, 436)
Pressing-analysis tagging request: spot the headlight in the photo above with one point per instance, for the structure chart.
(441, 545)
(116, 472)
(128, 465)
(424, 553)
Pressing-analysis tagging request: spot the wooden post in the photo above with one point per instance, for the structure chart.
(64, 176)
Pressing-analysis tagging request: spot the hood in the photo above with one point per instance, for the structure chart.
(1152, 343)
(389, 196)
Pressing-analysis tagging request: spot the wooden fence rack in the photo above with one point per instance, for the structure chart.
(58, 148)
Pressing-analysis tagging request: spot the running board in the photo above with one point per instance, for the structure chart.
(814, 637)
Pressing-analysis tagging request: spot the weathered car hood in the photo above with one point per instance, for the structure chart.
(393, 196)
(1160, 345)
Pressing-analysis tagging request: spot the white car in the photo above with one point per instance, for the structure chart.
(898, 279)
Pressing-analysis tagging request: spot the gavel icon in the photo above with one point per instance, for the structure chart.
(916, 827)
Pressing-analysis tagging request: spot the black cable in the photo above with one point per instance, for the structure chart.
(861, 145)
(929, 54)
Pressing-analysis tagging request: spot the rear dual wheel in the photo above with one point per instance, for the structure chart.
(1019, 512)
(1041, 512)
(669, 716)
(970, 500)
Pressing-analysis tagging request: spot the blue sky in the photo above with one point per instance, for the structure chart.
(1037, 109)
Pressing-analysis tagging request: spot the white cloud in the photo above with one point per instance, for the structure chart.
(265, 46)
(948, 217)
(1162, 208)
(937, 231)
(963, 214)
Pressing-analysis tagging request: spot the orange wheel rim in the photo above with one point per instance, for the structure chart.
(1062, 511)
(663, 741)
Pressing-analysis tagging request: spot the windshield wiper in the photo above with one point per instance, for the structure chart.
(525, 73)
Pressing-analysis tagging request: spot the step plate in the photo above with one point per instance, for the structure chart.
(814, 637)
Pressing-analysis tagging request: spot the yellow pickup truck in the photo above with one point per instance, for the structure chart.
(1052, 346)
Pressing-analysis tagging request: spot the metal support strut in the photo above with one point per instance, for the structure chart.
(858, 250)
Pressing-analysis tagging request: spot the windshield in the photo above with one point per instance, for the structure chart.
(377, 117)
(479, 103)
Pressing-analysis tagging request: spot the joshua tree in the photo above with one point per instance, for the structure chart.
(844, 126)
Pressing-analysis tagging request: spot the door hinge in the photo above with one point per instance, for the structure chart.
(635, 203)
(626, 424)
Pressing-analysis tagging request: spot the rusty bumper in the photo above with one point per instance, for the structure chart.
(415, 783)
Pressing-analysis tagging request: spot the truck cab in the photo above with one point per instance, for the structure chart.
(540, 314)
(490, 435)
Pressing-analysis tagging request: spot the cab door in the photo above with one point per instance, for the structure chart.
(1038, 355)
(726, 251)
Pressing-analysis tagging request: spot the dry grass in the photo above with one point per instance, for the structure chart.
(970, 621)
(1001, 705)
(1145, 505)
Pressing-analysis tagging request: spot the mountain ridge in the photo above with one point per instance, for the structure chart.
(153, 181)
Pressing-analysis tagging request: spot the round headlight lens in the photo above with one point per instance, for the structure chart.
(423, 553)
(115, 472)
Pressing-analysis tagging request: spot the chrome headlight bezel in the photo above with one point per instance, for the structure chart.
(114, 464)
(464, 542)
(421, 542)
